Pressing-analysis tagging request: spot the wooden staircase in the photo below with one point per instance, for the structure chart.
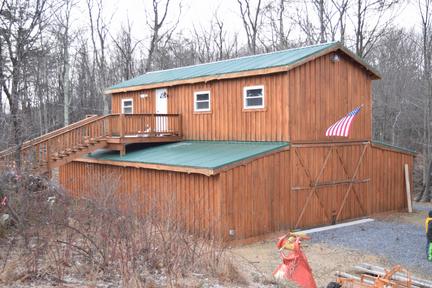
(66, 144)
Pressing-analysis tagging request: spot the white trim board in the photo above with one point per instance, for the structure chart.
(330, 227)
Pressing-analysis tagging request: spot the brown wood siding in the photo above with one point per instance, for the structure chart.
(192, 199)
(140, 105)
(255, 197)
(321, 92)
(269, 194)
(228, 120)
(388, 186)
(310, 98)
(265, 195)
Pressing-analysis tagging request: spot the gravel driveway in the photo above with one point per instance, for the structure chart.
(400, 243)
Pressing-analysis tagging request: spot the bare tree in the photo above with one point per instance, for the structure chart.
(2, 62)
(84, 84)
(159, 12)
(63, 23)
(321, 27)
(342, 8)
(252, 18)
(99, 33)
(306, 25)
(425, 9)
(213, 42)
(371, 19)
(41, 85)
(21, 22)
(204, 43)
(226, 44)
(276, 13)
(397, 105)
(319, 6)
(219, 38)
(125, 48)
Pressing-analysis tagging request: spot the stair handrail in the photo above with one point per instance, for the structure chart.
(69, 130)
(39, 139)
(148, 114)
(53, 134)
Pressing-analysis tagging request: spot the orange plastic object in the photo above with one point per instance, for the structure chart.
(295, 266)
(385, 281)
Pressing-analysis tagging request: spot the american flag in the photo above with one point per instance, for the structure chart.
(342, 127)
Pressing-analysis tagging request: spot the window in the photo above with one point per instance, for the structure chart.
(202, 101)
(253, 97)
(127, 106)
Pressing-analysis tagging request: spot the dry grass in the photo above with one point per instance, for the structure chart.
(58, 239)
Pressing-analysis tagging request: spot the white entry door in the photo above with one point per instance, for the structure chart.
(161, 108)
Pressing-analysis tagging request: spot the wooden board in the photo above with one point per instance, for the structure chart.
(408, 187)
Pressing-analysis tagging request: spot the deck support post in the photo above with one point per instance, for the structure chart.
(121, 125)
(48, 155)
(123, 150)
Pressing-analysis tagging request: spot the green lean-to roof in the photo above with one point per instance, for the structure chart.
(248, 63)
(194, 154)
(394, 147)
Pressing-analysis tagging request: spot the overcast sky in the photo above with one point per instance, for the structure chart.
(199, 12)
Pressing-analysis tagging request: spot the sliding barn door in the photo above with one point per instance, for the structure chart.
(330, 183)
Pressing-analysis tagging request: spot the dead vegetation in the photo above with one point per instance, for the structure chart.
(53, 238)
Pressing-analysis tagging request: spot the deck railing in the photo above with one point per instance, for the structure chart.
(37, 153)
(145, 125)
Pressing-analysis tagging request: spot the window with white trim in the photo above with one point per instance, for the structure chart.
(127, 106)
(253, 97)
(202, 101)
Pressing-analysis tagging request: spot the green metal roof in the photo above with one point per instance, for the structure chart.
(255, 62)
(394, 147)
(195, 154)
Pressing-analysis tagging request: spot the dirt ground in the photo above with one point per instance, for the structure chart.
(327, 253)
(257, 261)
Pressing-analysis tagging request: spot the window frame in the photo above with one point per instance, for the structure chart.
(123, 105)
(199, 101)
(245, 89)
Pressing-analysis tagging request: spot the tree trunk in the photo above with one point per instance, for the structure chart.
(322, 24)
(426, 17)
(66, 80)
(425, 194)
(151, 50)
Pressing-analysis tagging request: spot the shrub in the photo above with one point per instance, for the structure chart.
(59, 238)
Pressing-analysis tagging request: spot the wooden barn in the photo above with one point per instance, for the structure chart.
(237, 148)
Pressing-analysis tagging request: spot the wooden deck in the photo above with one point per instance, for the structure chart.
(112, 131)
